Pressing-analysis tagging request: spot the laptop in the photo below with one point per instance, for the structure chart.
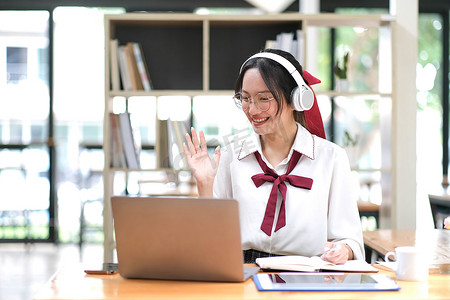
(179, 238)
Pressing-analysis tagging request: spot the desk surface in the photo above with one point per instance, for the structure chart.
(72, 283)
(436, 242)
(364, 206)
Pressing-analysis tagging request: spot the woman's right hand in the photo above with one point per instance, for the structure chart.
(202, 166)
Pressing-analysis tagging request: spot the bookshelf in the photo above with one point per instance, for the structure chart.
(194, 55)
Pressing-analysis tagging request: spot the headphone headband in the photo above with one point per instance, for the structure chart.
(279, 59)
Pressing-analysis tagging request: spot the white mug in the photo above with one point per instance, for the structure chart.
(411, 263)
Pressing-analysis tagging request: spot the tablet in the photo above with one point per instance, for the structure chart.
(324, 282)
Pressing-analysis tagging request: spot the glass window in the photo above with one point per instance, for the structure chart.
(23, 46)
(355, 120)
(78, 111)
(357, 129)
(429, 99)
(361, 44)
(324, 59)
(16, 64)
(24, 112)
(218, 117)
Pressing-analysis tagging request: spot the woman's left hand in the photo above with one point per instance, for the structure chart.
(337, 253)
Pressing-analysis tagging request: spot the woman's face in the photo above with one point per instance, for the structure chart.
(264, 122)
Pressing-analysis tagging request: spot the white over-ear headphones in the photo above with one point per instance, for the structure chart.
(302, 98)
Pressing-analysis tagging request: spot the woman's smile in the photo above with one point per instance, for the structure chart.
(258, 121)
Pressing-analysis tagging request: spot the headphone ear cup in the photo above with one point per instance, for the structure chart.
(302, 98)
(295, 99)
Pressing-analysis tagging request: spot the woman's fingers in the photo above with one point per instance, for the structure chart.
(190, 143)
(200, 163)
(186, 149)
(190, 147)
(336, 253)
(195, 139)
(217, 155)
(203, 141)
(196, 144)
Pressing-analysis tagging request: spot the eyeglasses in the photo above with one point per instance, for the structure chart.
(260, 100)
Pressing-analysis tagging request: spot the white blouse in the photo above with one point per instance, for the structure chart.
(327, 212)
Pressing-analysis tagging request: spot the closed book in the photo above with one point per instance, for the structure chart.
(300, 54)
(285, 40)
(114, 64)
(128, 141)
(162, 144)
(124, 69)
(136, 83)
(177, 132)
(142, 67)
(117, 152)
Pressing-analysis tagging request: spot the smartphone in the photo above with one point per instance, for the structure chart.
(106, 269)
(100, 272)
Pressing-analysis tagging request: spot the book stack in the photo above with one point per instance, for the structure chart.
(125, 142)
(128, 67)
(291, 42)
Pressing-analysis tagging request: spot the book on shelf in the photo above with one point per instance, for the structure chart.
(177, 131)
(142, 67)
(124, 69)
(292, 42)
(117, 154)
(162, 144)
(285, 41)
(298, 263)
(114, 64)
(300, 51)
(135, 77)
(128, 65)
(170, 136)
(126, 146)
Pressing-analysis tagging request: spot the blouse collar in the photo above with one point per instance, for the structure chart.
(303, 143)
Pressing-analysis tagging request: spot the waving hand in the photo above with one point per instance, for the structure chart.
(202, 166)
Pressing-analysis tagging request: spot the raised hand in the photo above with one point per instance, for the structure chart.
(202, 166)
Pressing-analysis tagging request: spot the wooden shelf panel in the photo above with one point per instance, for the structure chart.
(157, 93)
(230, 92)
(342, 20)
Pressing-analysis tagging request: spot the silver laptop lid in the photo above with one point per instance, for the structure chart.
(178, 238)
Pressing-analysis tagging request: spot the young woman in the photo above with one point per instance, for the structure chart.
(293, 186)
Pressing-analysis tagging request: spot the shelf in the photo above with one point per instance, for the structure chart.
(215, 42)
(323, 19)
(128, 170)
(342, 20)
(354, 94)
(157, 93)
(193, 93)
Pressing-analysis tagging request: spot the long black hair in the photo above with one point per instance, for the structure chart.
(277, 79)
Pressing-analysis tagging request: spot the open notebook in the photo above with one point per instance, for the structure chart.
(179, 238)
(299, 263)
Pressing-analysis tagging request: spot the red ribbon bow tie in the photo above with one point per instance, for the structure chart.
(278, 184)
